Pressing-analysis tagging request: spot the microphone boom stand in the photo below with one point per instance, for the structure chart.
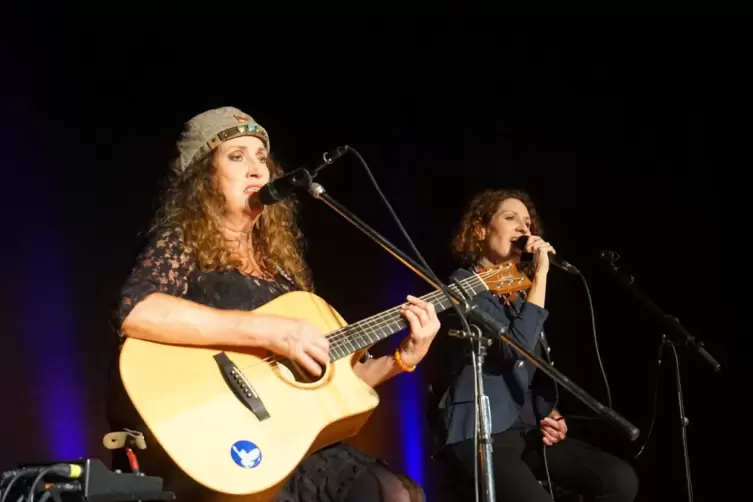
(481, 342)
(472, 310)
(671, 324)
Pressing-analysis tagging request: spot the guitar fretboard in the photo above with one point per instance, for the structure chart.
(356, 336)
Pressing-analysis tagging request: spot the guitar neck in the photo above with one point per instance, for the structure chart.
(356, 336)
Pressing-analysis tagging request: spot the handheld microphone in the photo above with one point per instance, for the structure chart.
(521, 242)
(280, 188)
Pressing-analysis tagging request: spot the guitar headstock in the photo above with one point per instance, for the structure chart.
(504, 278)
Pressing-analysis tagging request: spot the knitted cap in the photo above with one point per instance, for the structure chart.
(206, 131)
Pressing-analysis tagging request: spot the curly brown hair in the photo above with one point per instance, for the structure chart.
(193, 202)
(466, 245)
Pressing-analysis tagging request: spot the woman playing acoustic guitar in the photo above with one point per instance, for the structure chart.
(213, 257)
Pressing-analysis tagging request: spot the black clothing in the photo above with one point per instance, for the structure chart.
(518, 460)
(336, 473)
(519, 397)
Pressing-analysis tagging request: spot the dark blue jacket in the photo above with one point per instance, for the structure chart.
(507, 375)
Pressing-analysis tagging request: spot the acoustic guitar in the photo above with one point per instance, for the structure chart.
(239, 421)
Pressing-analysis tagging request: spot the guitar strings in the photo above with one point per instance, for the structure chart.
(341, 336)
(341, 333)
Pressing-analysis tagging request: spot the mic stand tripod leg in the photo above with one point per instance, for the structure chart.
(683, 419)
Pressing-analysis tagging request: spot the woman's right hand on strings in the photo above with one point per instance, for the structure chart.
(303, 343)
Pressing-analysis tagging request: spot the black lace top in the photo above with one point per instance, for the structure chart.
(167, 266)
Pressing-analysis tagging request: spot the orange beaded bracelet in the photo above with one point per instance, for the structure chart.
(400, 362)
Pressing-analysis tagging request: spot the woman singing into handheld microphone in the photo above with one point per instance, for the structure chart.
(501, 225)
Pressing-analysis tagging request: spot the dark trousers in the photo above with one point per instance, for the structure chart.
(518, 460)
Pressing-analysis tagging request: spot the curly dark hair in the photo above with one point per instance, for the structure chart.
(193, 202)
(466, 245)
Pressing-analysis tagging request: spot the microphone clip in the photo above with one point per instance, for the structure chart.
(329, 158)
(476, 334)
(280, 188)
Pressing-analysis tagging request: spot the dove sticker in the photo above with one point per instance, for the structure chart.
(246, 454)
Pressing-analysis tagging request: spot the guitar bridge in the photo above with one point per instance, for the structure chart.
(240, 386)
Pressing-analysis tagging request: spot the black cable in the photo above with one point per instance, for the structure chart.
(601, 367)
(37, 479)
(433, 276)
(13, 480)
(597, 350)
(657, 381)
(546, 469)
(16, 477)
(596, 341)
(57, 489)
(556, 403)
(420, 257)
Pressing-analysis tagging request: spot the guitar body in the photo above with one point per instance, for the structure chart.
(239, 451)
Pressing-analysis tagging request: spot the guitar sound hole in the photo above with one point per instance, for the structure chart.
(292, 371)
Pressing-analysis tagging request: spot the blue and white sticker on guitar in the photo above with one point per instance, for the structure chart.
(246, 454)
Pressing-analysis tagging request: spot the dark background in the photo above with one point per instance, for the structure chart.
(607, 124)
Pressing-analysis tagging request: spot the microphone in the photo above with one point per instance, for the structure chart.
(521, 242)
(280, 188)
